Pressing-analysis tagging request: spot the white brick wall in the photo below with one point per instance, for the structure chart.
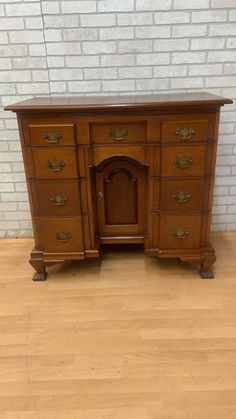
(110, 47)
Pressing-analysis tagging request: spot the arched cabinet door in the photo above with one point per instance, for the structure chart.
(121, 198)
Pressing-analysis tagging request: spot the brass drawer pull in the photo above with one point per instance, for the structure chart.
(181, 196)
(55, 165)
(62, 236)
(52, 137)
(183, 162)
(181, 233)
(118, 134)
(59, 200)
(185, 133)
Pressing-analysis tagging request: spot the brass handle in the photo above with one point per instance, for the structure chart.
(181, 233)
(100, 195)
(62, 236)
(181, 196)
(185, 133)
(118, 134)
(183, 162)
(55, 165)
(52, 137)
(59, 200)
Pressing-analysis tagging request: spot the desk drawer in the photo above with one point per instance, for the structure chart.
(183, 161)
(59, 235)
(56, 163)
(51, 134)
(182, 195)
(180, 231)
(56, 198)
(118, 132)
(184, 130)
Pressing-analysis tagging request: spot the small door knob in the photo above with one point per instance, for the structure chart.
(100, 195)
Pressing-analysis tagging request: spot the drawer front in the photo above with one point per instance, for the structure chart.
(182, 195)
(57, 163)
(136, 152)
(51, 135)
(184, 131)
(180, 231)
(118, 132)
(59, 235)
(183, 160)
(56, 198)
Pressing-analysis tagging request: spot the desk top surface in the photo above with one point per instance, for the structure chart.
(112, 103)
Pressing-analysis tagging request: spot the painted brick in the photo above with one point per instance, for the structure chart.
(25, 37)
(135, 19)
(153, 32)
(135, 72)
(84, 86)
(205, 69)
(50, 7)
(71, 21)
(5, 63)
(23, 9)
(211, 16)
(223, 29)
(184, 31)
(135, 46)
(117, 60)
(206, 44)
(188, 57)
(99, 47)
(180, 83)
(65, 74)
(11, 23)
(116, 33)
(118, 85)
(152, 85)
(72, 7)
(53, 35)
(34, 22)
(153, 59)
(165, 18)
(153, 4)
(221, 56)
(101, 19)
(29, 62)
(100, 73)
(191, 4)
(82, 61)
(222, 4)
(171, 45)
(66, 48)
(115, 6)
(80, 34)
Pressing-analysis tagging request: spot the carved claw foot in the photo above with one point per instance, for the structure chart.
(207, 274)
(40, 276)
(207, 262)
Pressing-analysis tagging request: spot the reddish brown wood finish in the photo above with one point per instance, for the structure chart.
(120, 170)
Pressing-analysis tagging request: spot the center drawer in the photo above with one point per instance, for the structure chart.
(118, 132)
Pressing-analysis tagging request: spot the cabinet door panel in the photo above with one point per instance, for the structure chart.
(120, 189)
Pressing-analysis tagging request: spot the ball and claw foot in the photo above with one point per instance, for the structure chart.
(40, 276)
(207, 274)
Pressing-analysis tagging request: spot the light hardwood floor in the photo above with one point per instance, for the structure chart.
(128, 337)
